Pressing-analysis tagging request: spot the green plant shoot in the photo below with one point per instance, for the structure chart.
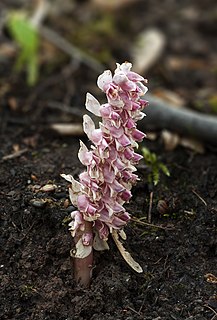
(27, 38)
(154, 165)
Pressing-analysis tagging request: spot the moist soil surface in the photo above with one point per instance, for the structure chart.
(177, 249)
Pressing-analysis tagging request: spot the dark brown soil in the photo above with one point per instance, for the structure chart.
(176, 254)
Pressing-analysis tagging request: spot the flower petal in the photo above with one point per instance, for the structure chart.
(87, 238)
(99, 243)
(104, 80)
(92, 104)
(88, 125)
(138, 135)
(82, 251)
(82, 202)
(84, 155)
(133, 76)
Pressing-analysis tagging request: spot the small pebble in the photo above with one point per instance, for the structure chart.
(33, 177)
(59, 195)
(162, 207)
(38, 203)
(48, 188)
(70, 209)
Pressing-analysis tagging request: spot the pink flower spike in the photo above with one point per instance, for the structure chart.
(105, 186)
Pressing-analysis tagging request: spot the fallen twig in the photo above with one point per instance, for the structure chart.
(64, 45)
(134, 219)
(150, 207)
(215, 313)
(204, 202)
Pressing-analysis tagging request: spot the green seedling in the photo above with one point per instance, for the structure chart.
(27, 39)
(155, 166)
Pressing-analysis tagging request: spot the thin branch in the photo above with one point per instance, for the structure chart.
(150, 207)
(204, 202)
(134, 219)
(64, 45)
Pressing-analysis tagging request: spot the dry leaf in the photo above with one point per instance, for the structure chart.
(170, 96)
(126, 255)
(192, 144)
(99, 244)
(147, 49)
(170, 140)
(210, 278)
(151, 136)
(12, 102)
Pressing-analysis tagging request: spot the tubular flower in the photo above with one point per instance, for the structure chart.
(105, 186)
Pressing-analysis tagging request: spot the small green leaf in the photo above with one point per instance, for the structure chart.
(156, 175)
(164, 169)
(154, 165)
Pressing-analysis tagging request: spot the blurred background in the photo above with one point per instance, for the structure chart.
(51, 52)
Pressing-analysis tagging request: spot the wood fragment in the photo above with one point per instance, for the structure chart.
(14, 155)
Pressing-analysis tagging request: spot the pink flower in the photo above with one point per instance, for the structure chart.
(106, 184)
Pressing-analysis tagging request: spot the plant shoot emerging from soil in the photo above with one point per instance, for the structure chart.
(105, 186)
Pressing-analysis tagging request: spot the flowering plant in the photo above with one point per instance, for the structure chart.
(105, 186)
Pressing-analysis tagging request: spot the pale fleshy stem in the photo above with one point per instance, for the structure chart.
(83, 266)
